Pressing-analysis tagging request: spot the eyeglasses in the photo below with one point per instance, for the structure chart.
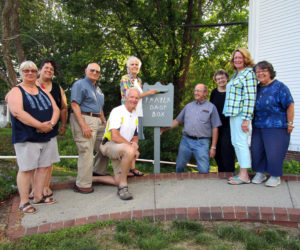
(26, 71)
(261, 71)
(94, 70)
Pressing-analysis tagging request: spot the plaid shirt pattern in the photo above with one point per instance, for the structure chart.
(127, 82)
(241, 95)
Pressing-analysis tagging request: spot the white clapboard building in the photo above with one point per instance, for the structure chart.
(274, 35)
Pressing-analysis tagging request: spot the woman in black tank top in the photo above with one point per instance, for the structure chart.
(34, 114)
(47, 70)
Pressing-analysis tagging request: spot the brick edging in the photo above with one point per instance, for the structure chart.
(275, 215)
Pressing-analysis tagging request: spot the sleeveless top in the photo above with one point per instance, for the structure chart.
(39, 107)
(56, 94)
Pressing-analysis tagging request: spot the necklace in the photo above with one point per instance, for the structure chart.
(43, 86)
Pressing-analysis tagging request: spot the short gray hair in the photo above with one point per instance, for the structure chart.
(130, 89)
(27, 65)
(131, 58)
(88, 66)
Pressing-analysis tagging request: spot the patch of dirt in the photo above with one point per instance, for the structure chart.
(5, 207)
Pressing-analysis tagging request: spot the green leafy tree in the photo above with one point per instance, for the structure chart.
(157, 32)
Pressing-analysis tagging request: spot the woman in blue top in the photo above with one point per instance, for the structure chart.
(272, 125)
(33, 116)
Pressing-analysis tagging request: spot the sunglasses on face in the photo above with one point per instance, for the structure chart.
(26, 71)
(94, 70)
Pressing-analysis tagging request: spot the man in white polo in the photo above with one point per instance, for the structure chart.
(120, 143)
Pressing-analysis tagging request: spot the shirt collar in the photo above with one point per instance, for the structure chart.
(88, 80)
(131, 77)
(200, 102)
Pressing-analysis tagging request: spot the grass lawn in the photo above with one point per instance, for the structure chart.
(138, 234)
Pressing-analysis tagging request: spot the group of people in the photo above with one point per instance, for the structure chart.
(217, 128)
(252, 93)
(37, 103)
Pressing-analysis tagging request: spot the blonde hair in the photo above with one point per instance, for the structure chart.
(27, 65)
(248, 61)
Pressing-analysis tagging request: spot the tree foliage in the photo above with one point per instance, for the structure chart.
(157, 32)
(74, 33)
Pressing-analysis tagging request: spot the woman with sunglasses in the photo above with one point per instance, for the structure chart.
(34, 113)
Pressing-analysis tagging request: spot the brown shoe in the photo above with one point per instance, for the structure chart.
(83, 190)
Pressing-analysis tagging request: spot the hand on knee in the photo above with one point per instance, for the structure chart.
(129, 152)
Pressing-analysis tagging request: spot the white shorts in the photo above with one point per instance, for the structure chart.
(33, 155)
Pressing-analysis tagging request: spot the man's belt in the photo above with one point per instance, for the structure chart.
(196, 138)
(90, 114)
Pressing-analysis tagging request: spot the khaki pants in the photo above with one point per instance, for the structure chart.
(112, 151)
(86, 147)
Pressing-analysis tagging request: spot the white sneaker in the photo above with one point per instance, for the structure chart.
(273, 181)
(259, 178)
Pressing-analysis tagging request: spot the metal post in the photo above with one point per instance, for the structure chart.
(156, 150)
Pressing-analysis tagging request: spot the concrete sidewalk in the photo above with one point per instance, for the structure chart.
(169, 196)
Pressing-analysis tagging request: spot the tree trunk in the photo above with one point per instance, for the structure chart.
(10, 32)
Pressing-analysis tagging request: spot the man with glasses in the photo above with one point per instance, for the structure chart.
(201, 122)
(88, 123)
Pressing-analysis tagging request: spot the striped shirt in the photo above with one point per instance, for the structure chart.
(241, 95)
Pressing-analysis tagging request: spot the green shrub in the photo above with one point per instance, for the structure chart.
(291, 167)
(8, 174)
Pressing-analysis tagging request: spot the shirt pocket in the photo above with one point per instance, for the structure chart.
(203, 116)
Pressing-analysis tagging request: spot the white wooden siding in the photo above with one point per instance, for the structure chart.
(274, 35)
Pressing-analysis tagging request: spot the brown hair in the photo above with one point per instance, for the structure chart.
(247, 57)
(221, 72)
(266, 65)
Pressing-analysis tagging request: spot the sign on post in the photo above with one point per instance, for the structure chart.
(158, 112)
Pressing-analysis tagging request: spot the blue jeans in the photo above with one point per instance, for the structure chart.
(200, 150)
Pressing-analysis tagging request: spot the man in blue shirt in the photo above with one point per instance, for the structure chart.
(201, 121)
(88, 123)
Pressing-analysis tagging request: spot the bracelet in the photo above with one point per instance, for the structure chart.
(213, 147)
(291, 124)
(63, 125)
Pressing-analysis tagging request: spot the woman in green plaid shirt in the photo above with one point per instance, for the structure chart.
(239, 106)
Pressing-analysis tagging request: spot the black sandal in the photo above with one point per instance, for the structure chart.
(27, 208)
(136, 172)
(43, 201)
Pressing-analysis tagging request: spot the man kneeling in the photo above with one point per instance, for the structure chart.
(120, 143)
